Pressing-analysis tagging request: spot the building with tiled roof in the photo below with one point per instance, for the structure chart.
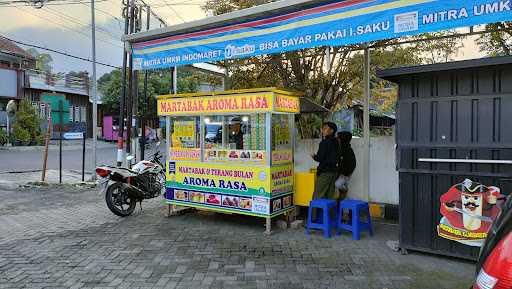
(13, 56)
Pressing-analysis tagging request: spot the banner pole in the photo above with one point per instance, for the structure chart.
(366, 125)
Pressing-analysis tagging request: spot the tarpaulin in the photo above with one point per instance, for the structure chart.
(336, 24)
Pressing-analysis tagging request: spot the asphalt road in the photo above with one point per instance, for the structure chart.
(16, 161)
(29, 159)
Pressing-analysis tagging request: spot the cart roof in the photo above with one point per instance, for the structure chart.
(394, 74)
(232, 92)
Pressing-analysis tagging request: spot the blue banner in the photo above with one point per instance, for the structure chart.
(336, 24)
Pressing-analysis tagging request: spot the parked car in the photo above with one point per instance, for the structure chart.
(494, 267)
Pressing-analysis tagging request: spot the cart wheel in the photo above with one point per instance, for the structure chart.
(403, 251)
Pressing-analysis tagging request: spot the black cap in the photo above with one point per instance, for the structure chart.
(345, 136)
(332, 125)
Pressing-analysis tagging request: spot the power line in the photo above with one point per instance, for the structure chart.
(24, 3)
(77, 21)
(58, 52)
(119, 20)
(173, 10)
(152, 12)
(68, 28)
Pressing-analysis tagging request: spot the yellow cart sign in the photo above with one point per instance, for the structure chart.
(219, 178)
(215, 104)
(241, 101)
(286, 103)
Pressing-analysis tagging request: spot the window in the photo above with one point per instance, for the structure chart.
(235, 137)
(281, 132)
(282, 138)
(185, 132)
(185, 144)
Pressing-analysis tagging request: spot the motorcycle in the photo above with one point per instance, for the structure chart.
(124, 188)
(494, 267)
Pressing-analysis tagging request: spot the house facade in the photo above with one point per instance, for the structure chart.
(20, 80)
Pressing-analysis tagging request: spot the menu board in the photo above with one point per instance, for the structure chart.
(184, 134)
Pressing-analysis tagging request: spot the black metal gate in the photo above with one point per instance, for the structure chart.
(454, 122)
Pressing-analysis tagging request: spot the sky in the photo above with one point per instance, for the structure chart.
(67, 28)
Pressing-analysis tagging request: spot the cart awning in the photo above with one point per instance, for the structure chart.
(289, 25)
(309, 106)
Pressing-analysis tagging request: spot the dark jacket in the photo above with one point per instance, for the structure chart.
(348, 160)
(238, 139)
(328, 155)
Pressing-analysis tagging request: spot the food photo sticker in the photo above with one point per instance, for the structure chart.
(213, 199)
(180, 195)
(287, 201)
(234, 155)
(230, 201)
(276, 205)
(197, 197)
(245, 203)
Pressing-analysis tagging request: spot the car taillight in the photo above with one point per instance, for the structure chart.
(102, 172)
(485, 281)
(497, 270)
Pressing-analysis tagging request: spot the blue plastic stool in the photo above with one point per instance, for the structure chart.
(357, 226)
(323, 221)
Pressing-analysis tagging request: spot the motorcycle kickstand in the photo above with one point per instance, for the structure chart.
(140, 205)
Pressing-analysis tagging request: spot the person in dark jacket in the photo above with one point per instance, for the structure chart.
(327, 157)
(235, 133)
(347, 162)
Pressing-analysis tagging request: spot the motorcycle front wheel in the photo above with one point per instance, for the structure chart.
(118, 201)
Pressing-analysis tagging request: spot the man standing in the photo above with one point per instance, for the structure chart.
(236, 136)
(347, 163)
(327, 157)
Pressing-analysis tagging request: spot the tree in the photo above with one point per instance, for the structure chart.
(26, 126)
(218, 7)
(498, 42)
(330, 76)
(43, 60)
(438, 47)
(159, 83)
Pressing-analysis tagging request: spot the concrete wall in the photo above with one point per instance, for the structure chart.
(383, 174)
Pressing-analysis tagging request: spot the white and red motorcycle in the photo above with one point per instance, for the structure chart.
(124, 188)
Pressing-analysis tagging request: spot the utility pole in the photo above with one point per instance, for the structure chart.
(129, 102)
(143, 112)
(94, 92)
(120, 136)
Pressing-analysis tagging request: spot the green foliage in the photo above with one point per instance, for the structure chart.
(26, 126)
(159, 83)
(4, 137)
(218, 7)
(22, 135)
(498, 42)
(43, 60)
(438, 47)
(331, 77)
(40, 139)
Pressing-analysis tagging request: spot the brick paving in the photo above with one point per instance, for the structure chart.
(66, 238)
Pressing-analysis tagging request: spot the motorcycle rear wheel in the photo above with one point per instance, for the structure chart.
(118, 201)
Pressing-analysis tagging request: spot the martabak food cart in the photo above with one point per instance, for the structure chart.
(231, 151)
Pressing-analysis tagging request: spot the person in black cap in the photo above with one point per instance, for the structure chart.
(328, 156)
(236, 135)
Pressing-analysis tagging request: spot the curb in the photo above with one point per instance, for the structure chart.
(384, 211)
(53, 147)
